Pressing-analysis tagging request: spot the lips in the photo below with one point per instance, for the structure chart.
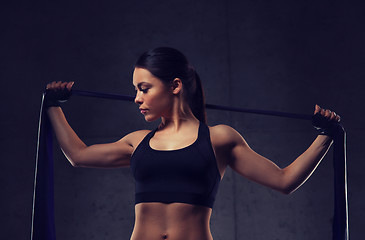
(143, 110)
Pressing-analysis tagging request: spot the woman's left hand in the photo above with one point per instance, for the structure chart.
(325, 121)
(328, 114)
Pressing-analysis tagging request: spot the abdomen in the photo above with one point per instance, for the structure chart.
(175, 221)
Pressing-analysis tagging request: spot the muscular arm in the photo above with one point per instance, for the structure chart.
(255, 167)
(115, 154)
(300, 170)
(232, 150)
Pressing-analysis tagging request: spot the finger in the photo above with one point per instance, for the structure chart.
(323, 111)
(327, 113)
(333, 116)
(63, 85)
(69, 85)
(317, 109)
(59, 85)
(53, 85)
(338, 118)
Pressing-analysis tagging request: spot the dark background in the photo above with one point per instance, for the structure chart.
(277, 55)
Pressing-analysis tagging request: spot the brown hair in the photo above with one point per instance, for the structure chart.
(167, 64)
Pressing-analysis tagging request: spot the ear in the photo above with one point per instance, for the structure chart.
(176, 86)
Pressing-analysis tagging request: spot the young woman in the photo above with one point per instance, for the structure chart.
(178, 166)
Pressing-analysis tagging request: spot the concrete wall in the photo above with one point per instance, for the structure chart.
(277, 55)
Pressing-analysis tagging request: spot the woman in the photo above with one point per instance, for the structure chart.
(178, 166)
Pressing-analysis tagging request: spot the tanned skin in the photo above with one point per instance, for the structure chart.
(178, 129)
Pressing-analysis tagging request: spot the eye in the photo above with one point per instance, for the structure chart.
(144, 90)
(143, 87)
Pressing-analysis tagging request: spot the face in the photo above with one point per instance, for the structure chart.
(152, 95)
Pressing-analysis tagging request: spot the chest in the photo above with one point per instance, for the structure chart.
(187, 162)
(170, 142)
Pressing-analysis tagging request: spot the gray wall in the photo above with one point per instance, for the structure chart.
(278, 55)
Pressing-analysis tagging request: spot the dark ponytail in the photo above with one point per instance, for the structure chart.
(197, 104)
(167, 64)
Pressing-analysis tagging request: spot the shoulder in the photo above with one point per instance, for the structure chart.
(225, 136)
(224, 131)
(134, 138)
(138, 134)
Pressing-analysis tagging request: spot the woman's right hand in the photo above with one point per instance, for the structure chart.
(57, 92)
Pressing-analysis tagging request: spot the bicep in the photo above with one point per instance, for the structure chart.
(107, 155)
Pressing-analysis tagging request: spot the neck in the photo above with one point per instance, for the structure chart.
(180, 115)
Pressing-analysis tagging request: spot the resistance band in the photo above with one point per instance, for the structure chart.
(43, 226)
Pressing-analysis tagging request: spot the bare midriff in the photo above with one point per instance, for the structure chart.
(175, 221)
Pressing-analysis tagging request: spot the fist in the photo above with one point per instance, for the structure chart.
(54, 86)
(328, 114)
(57, 92)
(326, 122)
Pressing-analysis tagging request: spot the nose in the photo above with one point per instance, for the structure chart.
(138, 98)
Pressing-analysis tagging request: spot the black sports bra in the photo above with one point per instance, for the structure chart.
(188, 175)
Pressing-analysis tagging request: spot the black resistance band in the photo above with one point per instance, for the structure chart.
(43, 225)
